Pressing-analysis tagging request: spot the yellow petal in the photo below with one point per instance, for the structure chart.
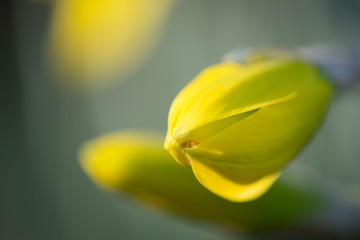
(229, 89)
(228, 189)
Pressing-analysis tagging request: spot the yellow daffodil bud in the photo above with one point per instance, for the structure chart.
(92, 41)
(135, 164)
(237, 124)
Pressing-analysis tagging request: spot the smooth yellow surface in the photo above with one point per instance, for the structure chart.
(136, 165)
(238, 124)
(110, 158)
(94, 40)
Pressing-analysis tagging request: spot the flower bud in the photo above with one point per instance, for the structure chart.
(237, 124)
(135, 164)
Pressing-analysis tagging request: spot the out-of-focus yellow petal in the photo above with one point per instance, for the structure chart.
(135, 164)
(93, 40)
(240, 129)
(110, 158)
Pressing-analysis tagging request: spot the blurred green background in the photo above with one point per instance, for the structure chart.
(45, 194)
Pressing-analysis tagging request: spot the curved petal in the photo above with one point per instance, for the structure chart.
(209, 77)
(228, 189)
(229, 89)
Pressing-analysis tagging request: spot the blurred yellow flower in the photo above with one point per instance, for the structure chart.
(93, 40)
(237, 124)
(135, 164)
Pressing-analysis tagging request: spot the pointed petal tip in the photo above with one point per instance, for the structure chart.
(175, 148)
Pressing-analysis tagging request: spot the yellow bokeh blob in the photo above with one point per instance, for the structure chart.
(94, 41)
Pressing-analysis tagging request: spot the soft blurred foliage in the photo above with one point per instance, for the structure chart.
(44, 192)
